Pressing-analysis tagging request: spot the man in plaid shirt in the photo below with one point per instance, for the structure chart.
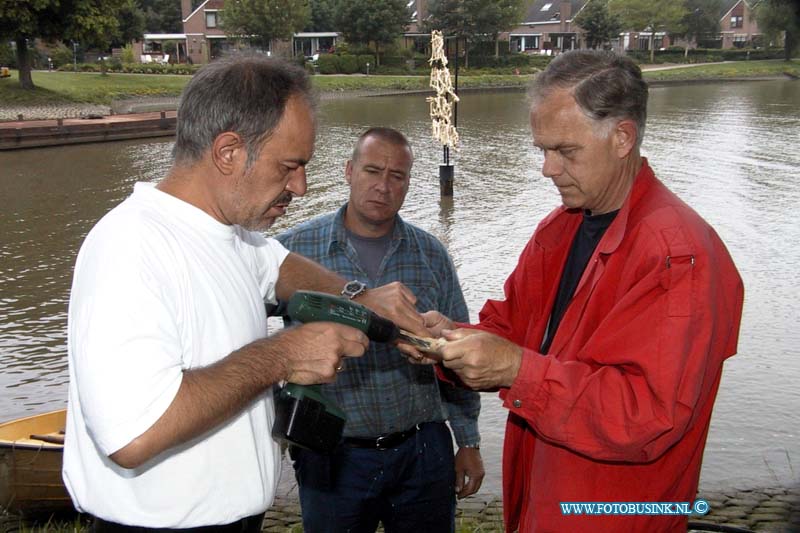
(395, 464)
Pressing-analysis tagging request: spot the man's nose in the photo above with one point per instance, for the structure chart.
(297, 184)
(552, 165)
(382, 183)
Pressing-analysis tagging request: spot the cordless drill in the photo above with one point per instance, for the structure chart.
(303, 416)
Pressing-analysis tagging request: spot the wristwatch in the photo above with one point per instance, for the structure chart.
(353, 288)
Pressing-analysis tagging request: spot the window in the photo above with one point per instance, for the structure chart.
(211, 19)
(532, 42)
(737, 21)
(547, 6)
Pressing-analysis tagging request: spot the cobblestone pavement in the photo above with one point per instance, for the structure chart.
(774, 510)
(8, 113)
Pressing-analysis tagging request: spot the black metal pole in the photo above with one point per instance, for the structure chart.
(446, 170)
(455, 89)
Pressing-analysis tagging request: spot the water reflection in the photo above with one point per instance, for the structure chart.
(728, 150)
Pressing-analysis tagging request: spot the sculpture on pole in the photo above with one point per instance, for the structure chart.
(442, 110)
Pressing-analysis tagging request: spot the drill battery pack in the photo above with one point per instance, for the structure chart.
(305, 418)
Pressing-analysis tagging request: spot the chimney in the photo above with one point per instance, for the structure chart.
(565, 8)
(186, 9)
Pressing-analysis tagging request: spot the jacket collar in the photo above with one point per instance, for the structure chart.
(564, 221)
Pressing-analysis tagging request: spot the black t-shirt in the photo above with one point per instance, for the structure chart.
(586, 239)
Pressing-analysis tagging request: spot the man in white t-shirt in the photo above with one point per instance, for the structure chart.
(171, 371)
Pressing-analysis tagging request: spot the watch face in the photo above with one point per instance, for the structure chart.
(352, 288)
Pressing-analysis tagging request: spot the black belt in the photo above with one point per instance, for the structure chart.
(250, 524)
(384, 442)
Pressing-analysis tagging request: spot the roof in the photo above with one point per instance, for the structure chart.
(547, 10)
(727, 5)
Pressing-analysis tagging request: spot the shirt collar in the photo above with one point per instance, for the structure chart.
(338, 234)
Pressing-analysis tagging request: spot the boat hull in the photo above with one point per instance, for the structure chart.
(30, 468)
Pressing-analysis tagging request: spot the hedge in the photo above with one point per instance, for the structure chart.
(134, 68)
(704, 55)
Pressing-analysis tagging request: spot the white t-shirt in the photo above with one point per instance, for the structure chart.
(161, 287)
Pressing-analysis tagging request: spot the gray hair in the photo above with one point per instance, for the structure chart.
(244, 94)
(390, 135)
(605, 86)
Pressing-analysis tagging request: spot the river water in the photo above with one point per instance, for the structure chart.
(730, 150)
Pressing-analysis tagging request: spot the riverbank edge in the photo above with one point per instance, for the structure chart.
(151, 104)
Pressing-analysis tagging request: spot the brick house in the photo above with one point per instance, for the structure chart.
(548, 28)
(738, 27)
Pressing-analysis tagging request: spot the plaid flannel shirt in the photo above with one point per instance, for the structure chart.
(381, 392)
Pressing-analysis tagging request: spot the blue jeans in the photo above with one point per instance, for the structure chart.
(409, 488)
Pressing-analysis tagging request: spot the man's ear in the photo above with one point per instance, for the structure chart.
(228, 152)
(348, 171)
(625, 134)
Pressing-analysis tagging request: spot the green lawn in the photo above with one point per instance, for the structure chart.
(59, 87)
(62, 87)
(737, 69)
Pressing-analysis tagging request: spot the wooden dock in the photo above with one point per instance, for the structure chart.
(37, 133)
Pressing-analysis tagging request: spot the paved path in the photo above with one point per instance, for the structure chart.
(39, 112)
(774, 510)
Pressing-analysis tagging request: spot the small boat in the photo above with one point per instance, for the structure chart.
(31, 453)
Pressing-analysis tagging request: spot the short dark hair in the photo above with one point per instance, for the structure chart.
(245, 94)
(389, 135)
(604, 84)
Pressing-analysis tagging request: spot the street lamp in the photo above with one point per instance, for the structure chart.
(74, 56)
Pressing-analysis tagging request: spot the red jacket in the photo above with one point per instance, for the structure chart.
(618, 411)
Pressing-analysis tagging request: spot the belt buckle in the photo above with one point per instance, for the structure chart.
(379, 441)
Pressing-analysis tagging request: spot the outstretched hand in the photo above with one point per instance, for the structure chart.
(396, 302)
(480, 359)
(435, 322)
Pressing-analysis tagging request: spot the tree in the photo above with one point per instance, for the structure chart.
(162, 16)
(649, 15)
(474, 20)
(131, 24)
(598, 24)
(702, 19)
(372, 21)
(261, 21)
(323, 16)
(775, 16)
(492, 17)
(78, 20)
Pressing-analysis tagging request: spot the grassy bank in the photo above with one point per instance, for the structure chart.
(738, 69)
(66, 87)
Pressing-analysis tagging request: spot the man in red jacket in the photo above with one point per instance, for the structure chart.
(608, 347)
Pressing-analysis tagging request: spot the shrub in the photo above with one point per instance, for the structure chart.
(60, 54)
(328, 64)
(362, 63)
(705, 55)
(393, 61)
(348, 64)
(127, 54)
(7, 56)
